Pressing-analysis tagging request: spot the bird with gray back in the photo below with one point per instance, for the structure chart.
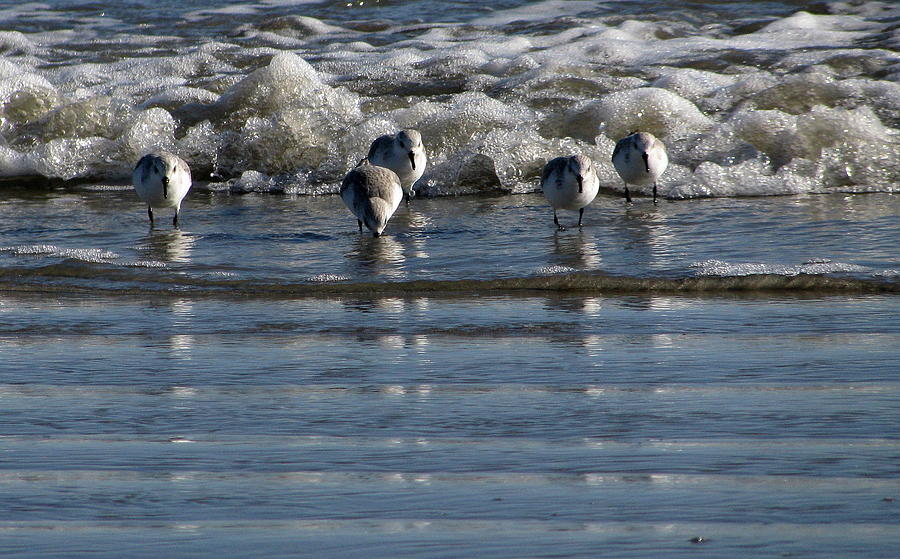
(402, 153)
(640, 159)
(161, 180)
(372, 194)
(569, 183)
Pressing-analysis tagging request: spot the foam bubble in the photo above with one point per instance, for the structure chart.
(24, 97)
(289, 183)
(465, 172)
(15, 43)
(749, 178)
(853, 146)
(771, 132)
(554, 270)
(251, 181)
(650, 109)
(775, 105)
(450, 127)
(92, 255)
(70, 158)
(100, 116)
(814, 267)
(294, 27)
(151, 130)
(327, 278)
(536, 11)
(177, 97)
(288, 80)
(805, 21)
(694, 85)
(15, 164)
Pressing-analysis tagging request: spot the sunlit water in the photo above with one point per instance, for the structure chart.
(715, 375)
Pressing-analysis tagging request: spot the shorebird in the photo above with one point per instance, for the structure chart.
(161, 180)
(372, 193)
(640, 158)
(402, 153)
(569, 183)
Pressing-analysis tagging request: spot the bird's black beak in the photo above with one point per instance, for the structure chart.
(165, 181)
(646, 163)
(412, 160)
(580, 183)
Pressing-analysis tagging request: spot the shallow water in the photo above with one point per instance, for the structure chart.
(422, 426)
(101, 238)
(714, 375)
(191, 391)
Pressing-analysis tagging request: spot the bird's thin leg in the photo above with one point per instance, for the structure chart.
(359, 221)
(175, 219)
(627, 194)
(150, 213)
(580, 215)
(556, 221)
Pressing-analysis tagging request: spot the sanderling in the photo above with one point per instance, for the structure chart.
(640, 158)
(402, 153)
(162, 180)
(569, 183)
(372, 193)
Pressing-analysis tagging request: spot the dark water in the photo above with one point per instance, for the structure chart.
(437, 426)
(714, 376)
(269, 244)
(267, 381)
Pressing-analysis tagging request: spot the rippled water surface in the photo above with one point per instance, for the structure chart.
(422, 426)
(103, 238)
(711, 376)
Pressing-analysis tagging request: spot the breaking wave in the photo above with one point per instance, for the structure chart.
(79, 278)
(286, 99)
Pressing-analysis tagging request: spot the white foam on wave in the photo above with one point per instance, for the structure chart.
(327, 278)
(536, 11)
(793, 106)
(554, 270)
(814, 266)
(16, 164)
(92, 255)
(206, 13)
(658, 111)
(146, 264)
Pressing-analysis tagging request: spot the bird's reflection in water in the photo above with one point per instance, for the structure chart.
(413, 219)
(181, 342)
(416, 223)
(588, 308)
(168, 245)
(648, 238)
(382, 257)
(578, 251)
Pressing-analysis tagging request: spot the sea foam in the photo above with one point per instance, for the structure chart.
(288, 103)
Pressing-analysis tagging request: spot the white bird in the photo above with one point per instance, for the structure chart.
(372, 193)
(569, 183)
(640, 158)
(161, 180)
(402, 153)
